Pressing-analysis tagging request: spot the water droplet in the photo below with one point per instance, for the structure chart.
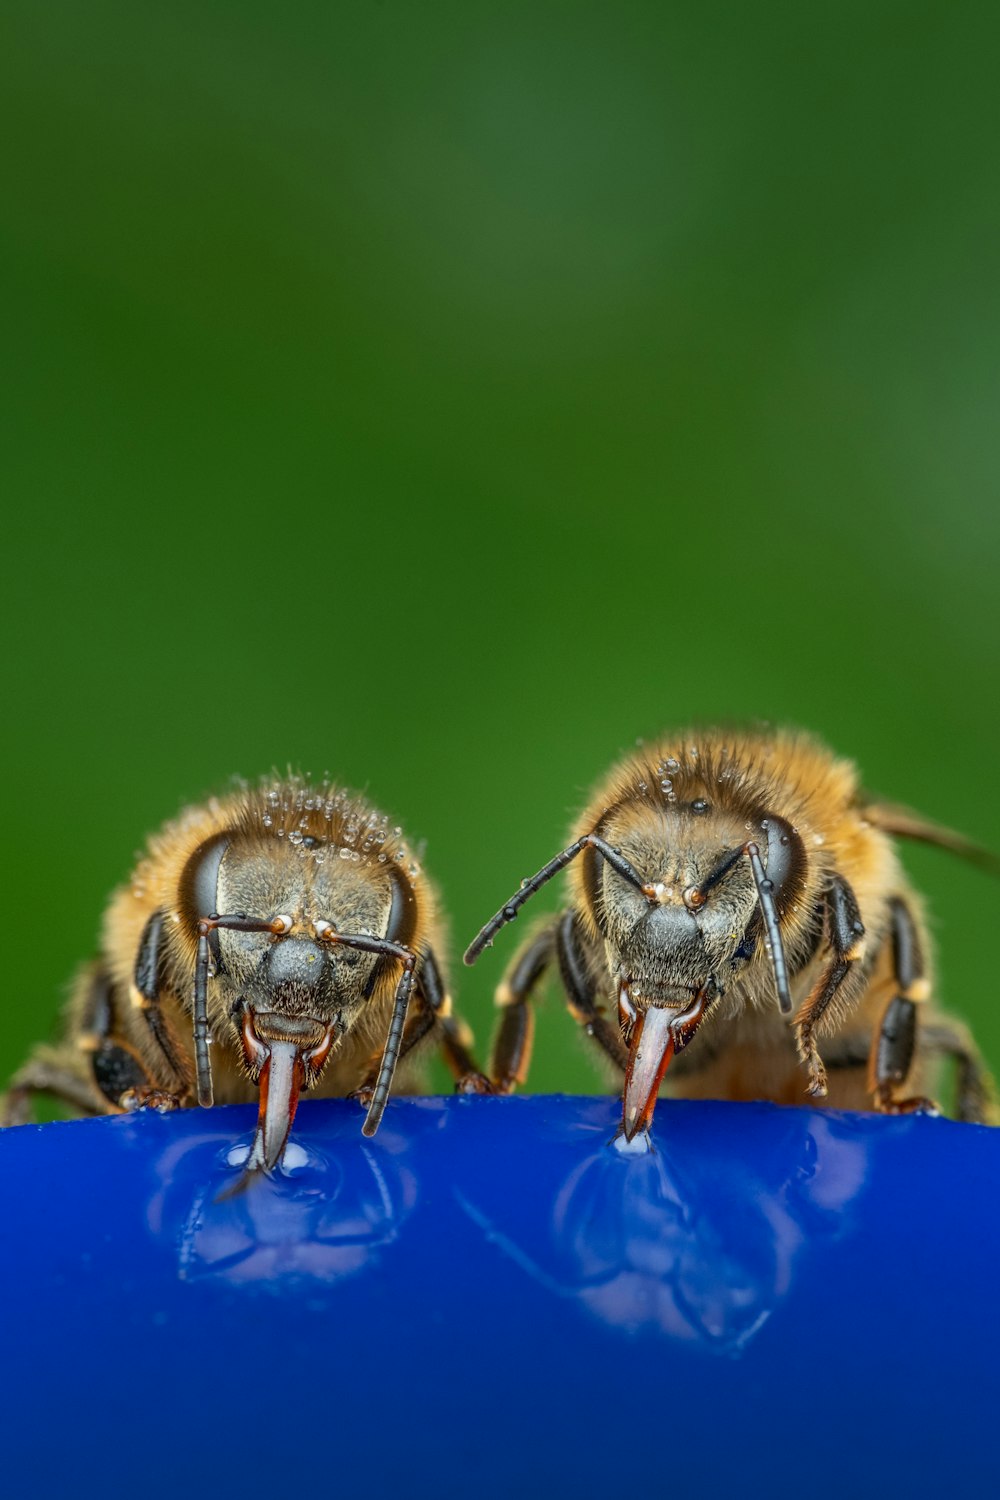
(267, 820)
(294, 1157)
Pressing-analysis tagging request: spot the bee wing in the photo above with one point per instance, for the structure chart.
(907, 824)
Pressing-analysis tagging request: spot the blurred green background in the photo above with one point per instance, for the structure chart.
(443, 397)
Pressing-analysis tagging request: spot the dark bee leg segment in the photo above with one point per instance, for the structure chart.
(894, 1047)
(119, 1072)
(511, 1053)
(895, 1044)
(147, 978)
(579, 986)
(975, 1093)
(456, 1038)
(846, 933)
(435, 1010)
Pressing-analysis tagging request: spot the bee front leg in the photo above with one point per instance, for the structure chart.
(433, 1009)
(846, 933)
(581, 988)
(510, 1056)
(122, 1077)
(147, 987)
(896, 1039)
(456, 1036)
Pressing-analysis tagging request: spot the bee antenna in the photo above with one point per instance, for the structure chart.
(394, 1037)
(390, 1056)
(769, 911)
(203, 1063)
(510, 909)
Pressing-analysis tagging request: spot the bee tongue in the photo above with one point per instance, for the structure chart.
(280, 1080)
(651, 1050)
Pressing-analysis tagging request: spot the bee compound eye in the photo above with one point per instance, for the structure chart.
(199, 884)
(783, 854)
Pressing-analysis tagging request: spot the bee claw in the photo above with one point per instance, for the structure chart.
(136, 1099)
(474, 1083)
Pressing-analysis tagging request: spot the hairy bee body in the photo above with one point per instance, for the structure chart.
(715, 871)
(296, 918)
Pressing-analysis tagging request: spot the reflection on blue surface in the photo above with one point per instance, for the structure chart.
(323, 1218)
(490, 1295)
(633, 1239)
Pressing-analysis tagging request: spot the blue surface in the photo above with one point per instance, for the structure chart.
(490, 1298)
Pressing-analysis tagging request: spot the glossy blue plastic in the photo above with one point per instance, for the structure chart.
(489, 1299)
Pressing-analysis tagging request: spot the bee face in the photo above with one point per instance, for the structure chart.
(287, 924)
(310, 894)
(697, 916)
(749, 866)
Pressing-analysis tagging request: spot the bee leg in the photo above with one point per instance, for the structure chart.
(580, 988)
(456, 1036)
(434, 1009)
(43, 1075)
(846, 935)
(896, 1039)
(975, 1092)
(147, 986)
(510, 1057)
(119, 1072)
(111, 1077)
(418, 1023)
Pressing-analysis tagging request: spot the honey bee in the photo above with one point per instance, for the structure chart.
(743, 890)
(270, 940)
